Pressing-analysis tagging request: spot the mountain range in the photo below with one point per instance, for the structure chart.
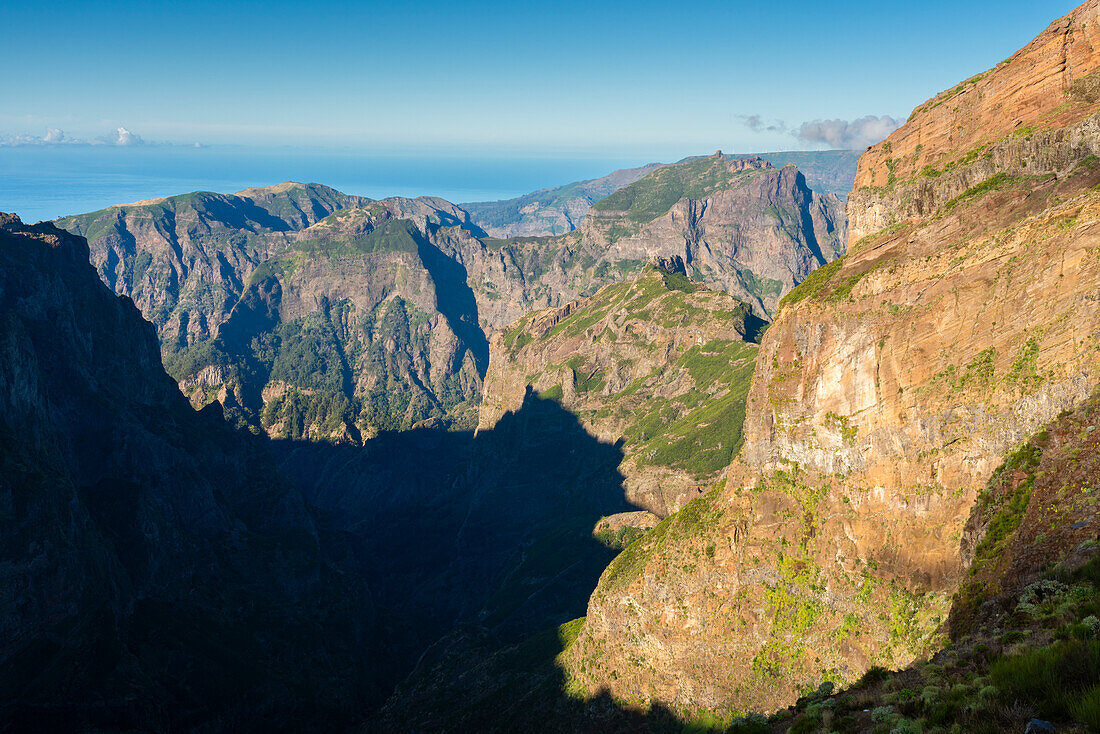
(712, 451)
(309, 313)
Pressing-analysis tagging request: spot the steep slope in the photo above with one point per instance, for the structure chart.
(560, 209)
(552, 211)
(886, 392)
(357, 324)
(157, 570)
(376, 316)
(184, 259)
(1023, 633)
(657, 363)
(1023, 626)
(741, 226)
(493, 529)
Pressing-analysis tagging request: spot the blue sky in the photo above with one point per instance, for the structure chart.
(640, 78)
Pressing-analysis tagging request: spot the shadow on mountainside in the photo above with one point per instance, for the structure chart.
(492, 530)
(479, 551)
(470, 682)
(455, 300)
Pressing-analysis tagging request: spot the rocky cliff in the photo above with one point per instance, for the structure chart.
(185, 259)
(357, 324)
(739, 225)
(888, 389)
(309, 313)
(561, 209)
(158, 571)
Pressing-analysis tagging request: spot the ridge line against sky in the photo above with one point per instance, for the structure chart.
(642, 77)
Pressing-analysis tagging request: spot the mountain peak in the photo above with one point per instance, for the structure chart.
(280, 188)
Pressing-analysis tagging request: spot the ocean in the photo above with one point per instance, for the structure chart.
(45, 182)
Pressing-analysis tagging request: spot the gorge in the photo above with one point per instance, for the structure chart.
(713, 445)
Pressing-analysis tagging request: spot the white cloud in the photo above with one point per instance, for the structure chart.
(55, 136)
(125, 137)
(854, 134)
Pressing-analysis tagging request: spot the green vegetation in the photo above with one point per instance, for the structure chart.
(552, 393)
(704, 438)
(760, 287)
(994, 182)
(842, 423)
(1010, 510)
(394, 235)
(883, 233)
(1062, 681)
(814, 283)
(843, 289)
(1045, 664)
(977, 375)
(678, 282)
(691, 521)
(1023, 372)
(618, 539)
(652, 196)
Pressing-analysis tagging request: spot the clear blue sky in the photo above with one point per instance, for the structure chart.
(644, 78)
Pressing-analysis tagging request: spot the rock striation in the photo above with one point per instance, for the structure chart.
(740, 226)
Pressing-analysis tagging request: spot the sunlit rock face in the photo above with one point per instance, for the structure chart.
(890, 386)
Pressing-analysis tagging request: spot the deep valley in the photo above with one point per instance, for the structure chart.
(797, 442)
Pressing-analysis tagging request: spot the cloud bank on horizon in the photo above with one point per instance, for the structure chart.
(120, 137)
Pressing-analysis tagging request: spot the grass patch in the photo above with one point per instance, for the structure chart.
(994, 182)
(1061, 681)
(814, 283)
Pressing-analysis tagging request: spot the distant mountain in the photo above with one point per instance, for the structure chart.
(560, 209)
(550, 211)
(185, 259)
(740, 225)
(826, 171)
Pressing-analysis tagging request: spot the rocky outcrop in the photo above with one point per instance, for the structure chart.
(1028, 115)
(558, 210)
(656, 365)
(887, 390)
(156, 566)
(740, 225)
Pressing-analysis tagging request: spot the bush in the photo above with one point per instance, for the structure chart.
(807, 724)
(753, 724)
(873, 675)
(882, 714)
